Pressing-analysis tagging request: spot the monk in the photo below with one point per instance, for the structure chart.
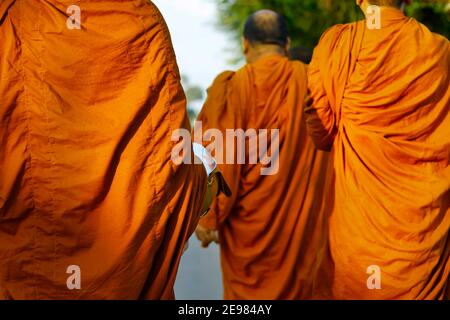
(91, 204)
(380, 101)
(272, 230)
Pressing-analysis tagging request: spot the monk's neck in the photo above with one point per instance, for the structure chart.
(257, 55)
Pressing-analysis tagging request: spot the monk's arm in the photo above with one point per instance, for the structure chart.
(212, 189)
(222, 205)
(205, 235)
(218, 194)
(216, 184)
(320, 118)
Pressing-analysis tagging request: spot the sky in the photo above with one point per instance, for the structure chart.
(202, 49)
(202, 53)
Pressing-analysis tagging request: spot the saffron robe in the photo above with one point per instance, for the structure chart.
(380, 101)
(273, 229)
(86, 177)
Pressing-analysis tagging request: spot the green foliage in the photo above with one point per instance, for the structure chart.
(308, 19)
(434, 15)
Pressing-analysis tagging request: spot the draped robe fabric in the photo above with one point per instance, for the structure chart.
(273, 229)
(381, 103)
(86, 178)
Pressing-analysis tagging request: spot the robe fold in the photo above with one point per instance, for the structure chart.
(88, 193)
(381, 102)
(273, 229)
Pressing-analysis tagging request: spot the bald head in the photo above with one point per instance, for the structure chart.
(266, 27)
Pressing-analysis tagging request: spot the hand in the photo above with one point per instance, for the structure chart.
(206, 236)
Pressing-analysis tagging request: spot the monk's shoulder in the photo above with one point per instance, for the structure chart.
(333, 34)
(220, 83)
(422, 31)
(441, 41)
(299, 67)
(223, 78)
(297, 64)
(336, 30)
(443, 47)
(435, 43)
(443, 51)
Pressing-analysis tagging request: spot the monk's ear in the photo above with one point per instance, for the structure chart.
(288, 44)
(245, 45)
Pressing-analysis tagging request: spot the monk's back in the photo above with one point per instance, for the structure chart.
(86, 117)
(381, 103)
(274, 215)
(400, 66)
(272, 84)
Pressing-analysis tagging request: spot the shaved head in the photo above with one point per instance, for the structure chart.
(266, 27)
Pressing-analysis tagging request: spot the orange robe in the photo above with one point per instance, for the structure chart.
(381, 102)
(272, 229)
(86, 118)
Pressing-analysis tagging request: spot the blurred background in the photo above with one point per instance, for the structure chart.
(206, 36)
